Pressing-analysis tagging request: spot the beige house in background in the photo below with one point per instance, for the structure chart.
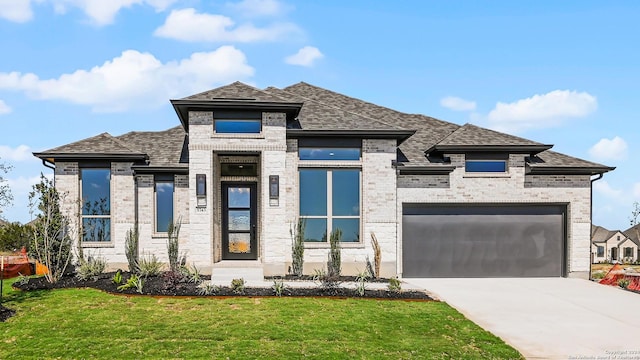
(614, 246)
(244, 164)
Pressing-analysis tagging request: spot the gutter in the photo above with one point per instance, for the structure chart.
(600, 175)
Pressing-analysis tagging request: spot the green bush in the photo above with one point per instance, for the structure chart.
(334, 262)
(395, 285)
(623, 283)
(297, 247)
(91, 268)
(149, 266)
(131, 248)
(173, 248)
(117, 278)
(279, 287)
(237, 286)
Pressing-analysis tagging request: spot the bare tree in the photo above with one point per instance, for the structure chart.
(635, 219)
(52, 240)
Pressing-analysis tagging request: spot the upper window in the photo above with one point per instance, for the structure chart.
(237, 122)
(318, 153)
(96, 204)
(485, 166)
(330, 200)
(164, 204)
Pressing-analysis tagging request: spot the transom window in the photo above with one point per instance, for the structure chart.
(486, 162)
(237, 122)
(164, 189)
(330, 200)
(96, 204)
(329, 149)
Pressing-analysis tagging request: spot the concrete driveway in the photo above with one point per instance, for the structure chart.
(548, 318)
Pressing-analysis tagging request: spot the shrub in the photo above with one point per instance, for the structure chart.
(395, 285)
(133, 282)
(623, 283)
(334, 258)
(377, 255)
(238, 285)
(279, 287)
(207, 289)
(297, 247)
(597, 275)
(149, 266)
(117, 277)
(325, 281)
(52, 240)
(173, 247)
(131, 248)
(193, 275)
(361, 283)
(91, 268)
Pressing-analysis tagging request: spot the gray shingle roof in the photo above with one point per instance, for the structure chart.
(324, 110)
(167, 148)
(100, 144)
(236, 91)
(633, 233)
(600, 234)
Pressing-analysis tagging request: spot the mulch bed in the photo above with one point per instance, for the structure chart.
(5, 313)
(166, 285)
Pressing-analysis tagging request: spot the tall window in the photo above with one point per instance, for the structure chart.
(600, 251)
(628, 252)
(330, 200)
(164, 204)
(96, 204)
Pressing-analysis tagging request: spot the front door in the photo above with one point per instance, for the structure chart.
(239, 221)
(614, 254)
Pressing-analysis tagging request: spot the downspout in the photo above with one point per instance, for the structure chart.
(591, 218)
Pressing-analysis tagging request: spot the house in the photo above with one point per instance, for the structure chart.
(613, 246)
(245, 164)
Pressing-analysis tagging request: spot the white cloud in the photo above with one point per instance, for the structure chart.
(541, 111)
(188, 25)
(457, 104)
(135, 79)
(305, 56)
(602, 187)
(4, 108)
(605, 149)
(257, 8)
(21, 153)
(16, 10)
(103, 12)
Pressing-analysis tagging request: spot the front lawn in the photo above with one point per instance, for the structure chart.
(87, 323)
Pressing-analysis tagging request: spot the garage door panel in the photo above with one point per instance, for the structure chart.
(483, 241)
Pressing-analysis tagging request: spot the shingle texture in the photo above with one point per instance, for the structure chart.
(600, 234)
(321, 110)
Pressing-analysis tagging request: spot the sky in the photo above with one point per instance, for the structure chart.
(557, 72)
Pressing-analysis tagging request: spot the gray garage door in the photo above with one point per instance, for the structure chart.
(483, 241)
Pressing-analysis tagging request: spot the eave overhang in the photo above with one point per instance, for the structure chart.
(426, 170)
(182, 107)
(52, 157)
(512, 149)
(142, 169)
(566, 170)
(399, 135)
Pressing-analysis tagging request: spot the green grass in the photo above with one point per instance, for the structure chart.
(86, 323)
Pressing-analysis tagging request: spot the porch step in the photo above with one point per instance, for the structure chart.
(223, 272)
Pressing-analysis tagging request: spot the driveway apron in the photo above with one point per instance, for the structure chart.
(548, 318)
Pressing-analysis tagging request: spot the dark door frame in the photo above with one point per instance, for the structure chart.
(253, 207)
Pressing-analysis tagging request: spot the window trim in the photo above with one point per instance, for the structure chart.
(162, 179)
(329, 213)
(83, 216)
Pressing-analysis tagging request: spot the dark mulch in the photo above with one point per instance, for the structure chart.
(5, 313)
(312, 278)
(169, 285)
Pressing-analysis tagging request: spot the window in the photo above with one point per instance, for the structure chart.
(164, 203)
(600, 251)
(330, 200)
(628, 252)
(485, 166)
(96, 204)
(237, 122)
(322, 153)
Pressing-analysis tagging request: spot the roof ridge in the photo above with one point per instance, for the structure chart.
(124, 144)
(347, 111)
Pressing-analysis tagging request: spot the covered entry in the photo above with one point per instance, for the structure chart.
(483, 240)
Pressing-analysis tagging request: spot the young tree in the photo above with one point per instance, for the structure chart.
(52, 240)
(5, 191)
(634, 220)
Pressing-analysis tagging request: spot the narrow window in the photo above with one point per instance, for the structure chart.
(164, 204)
(318, 153)
(96, 204)
(330, 200)
(494, 166)
(600, 251)
(231, 122)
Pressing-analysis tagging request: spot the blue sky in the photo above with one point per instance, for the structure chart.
(558, 72)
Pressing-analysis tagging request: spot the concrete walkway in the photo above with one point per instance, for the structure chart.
(550, 318)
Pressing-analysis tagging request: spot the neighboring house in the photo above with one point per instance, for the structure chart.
(613, 246)
(443, 200)
(632, 247)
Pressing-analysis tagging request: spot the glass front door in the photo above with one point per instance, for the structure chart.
(239, 221)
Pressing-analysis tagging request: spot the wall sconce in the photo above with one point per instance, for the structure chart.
(201, 189)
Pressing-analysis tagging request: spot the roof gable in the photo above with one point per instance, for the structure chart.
(236, 91)
(103, 145)
(470, 137)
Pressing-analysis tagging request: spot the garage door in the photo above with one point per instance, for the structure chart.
(483, 241)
